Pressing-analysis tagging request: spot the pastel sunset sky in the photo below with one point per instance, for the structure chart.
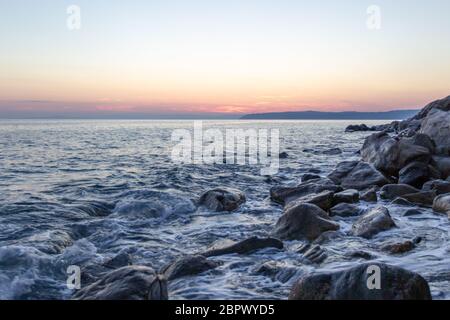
(233, 56)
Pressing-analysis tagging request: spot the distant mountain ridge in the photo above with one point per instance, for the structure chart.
(345, 115)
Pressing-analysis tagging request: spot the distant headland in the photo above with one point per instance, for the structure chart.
(346, 115)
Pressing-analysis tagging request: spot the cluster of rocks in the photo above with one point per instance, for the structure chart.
(407, 163)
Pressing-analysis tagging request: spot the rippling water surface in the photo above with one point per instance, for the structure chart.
(82, 192)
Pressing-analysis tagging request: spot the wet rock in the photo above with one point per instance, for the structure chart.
(415, 174)
(127, 283)
(437, 126)
(49, 242)
(329, 236)
(351, 284)
(314, 170)
(222, 199)
(390, 155)
(412, 212)
(246, 246)
(357, 175)
(360, 254)
(304, 221)
(369, 195)
(442, 164)
(277, 271)
(392, 191)
(345, 210)
(313, 253)
(402, 202)
(420, 139)
(310, 176)
(439, 186)
(286, 194)
(121, 260)
(284, 155)
(358, 128)
(372, 223)
(399, 247)
(332, 152)
(442, 204)
(347, 196)
(323, 200)
(188, 266)
(423, 198)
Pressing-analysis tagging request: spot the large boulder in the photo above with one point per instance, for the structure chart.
(392, 191)
(353, 284)
(442, 204)
(303, 222)
(415, 174)
(285, 195)
(357, 175)
(372, 223)
(244, 247)
(188, 266)
(222, 199)
(127, 283)
(390, 155)
(437, 126)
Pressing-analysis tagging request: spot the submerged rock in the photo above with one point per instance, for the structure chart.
(313, 253)
(121, 260)
(127, 283)
(284, 195)
(357, 175)
(357, 128)
(277, 271)
(188, 266)
(347, 196)
(360, 254)
(246, 246)
(352, 284)
(398, 247)
(284, 155)
(442, 204)
(392, 191)
(372, 223)
(345, 210)
(304, 221)
(412, 212)
(310, 176)
(332, 152)
(222, 199)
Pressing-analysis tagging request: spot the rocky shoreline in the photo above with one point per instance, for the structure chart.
(407, 163)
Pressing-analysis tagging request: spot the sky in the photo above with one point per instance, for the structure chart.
(183, 57)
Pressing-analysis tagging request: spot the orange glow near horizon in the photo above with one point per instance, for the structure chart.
(233, 57)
